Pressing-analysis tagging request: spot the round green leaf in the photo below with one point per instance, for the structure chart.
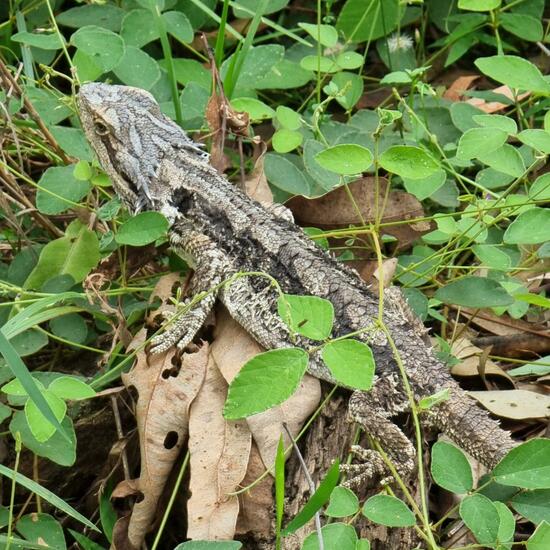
(29, 342)
(514, 71)
(389, 511)
(104, 47)
(481, 517)
(309, 316)
(351, 85)
(501, 122)
(178, 26)
(408, 162)
(326, 35)
(346, 159)
(478, 5)
(507, 524)
(351, 363)
(526, 466)
(285, 175)
(49, 41)
(137, 29)
(533, 505)
(71, 388)
(325, 178)
(70, 327)
(59, 190)
(505, 159)
(137, 68)
(142, 229)
(256, 109)
(42, 529)
(450, 468)
(362, 20)
(471, 291)
(321, 64)
(335, 535)
(424, 187)
(107, 16)
(343, 502)
(252, 391)
(478, 141)
(537, 139)
(531, 227)
(288, 118)
(284, 140)
(540, 190)
(523, 25)
(41, 428)
(349, 60)
(540, 539)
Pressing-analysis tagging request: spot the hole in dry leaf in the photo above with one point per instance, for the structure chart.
(139, 496)
(171, 440)
(166, 373)
(175, 287)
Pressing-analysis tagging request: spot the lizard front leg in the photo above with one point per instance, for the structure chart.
(211, 268)
(373, 411)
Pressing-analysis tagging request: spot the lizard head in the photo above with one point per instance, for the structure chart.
(130, 136)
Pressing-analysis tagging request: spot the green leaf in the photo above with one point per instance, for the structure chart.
(70, 327)
(178, 26)
(540, 539)
(540, 189)
(5, 412)
(137, 28)
(137, 68)
(252, 391)
(501, 122)
(142, 229)
(478, 5)
(43, 529)
(451, 469)
(349, 60)
(29, 341)
(389, 511)
(479, 141)
(477, 292)
(42, 429)
(540, 367)
(256, 109)
(506, 159)
(522, 25)
(408, 162)
(316, 501)
(343, 502)
(365, 20)
(309, 316)
(288, 118)
(104, 47)
(285, 175)
(47, 495)
(58, 190)
(194, 100)
(506, 527)
(346, 159)
(284, 140)
(424, 187)
(351, 85)
(533, 505)
(319, 63)
(190, 70)
(57, 449)
(537, 139)
(326, 35)
(516, 72)
(526, 466)
(74, 143)
(350, 362)
(71, 388)
(481, 517)
(362, 544)
(209, 545)
(325, 178)
(49, 41)
(336, 536)
(531, 227)
(85, 542)
(492, 256)
(75, 254)
(107, 16)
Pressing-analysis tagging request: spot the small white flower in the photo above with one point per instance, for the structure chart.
(399, 42)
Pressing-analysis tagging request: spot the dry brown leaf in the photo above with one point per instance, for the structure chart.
(256, 504)
(335, 210)
(502, 325)
(255, 184)
(219, 452)
(495, 106)
(469, 365)
(515, 404)
(231, 349)
(456, 90)
(165, 394)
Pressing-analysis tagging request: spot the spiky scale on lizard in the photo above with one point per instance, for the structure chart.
(154, 165)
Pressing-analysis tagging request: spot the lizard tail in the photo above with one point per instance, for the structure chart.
(471, 427)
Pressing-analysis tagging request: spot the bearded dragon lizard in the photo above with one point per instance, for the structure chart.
(154, 165)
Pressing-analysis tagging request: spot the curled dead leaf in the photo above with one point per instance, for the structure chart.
(515, 404)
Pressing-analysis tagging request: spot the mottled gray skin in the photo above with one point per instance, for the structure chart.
(220, 231)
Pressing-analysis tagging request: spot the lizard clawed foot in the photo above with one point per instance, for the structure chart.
(180, 331)
(369, 472)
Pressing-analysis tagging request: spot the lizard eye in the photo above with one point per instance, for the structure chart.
(100, 128)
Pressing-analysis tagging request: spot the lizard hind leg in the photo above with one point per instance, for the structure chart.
(373, 410)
